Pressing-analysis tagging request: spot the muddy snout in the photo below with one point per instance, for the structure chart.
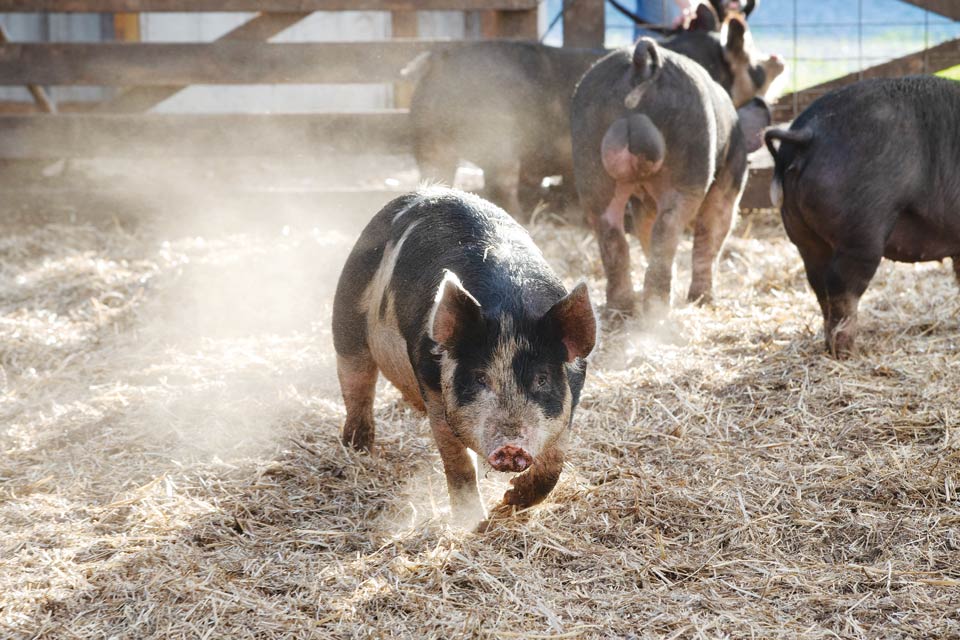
(510, 457)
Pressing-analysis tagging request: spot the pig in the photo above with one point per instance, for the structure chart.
(726, 50)
(688, 10)
(867, 172)
(449, 298)
(650, 125)
(504, 106)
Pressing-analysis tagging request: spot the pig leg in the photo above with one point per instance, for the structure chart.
(501, 180)
(532, 486)
(358, 383)
(614, 250)
(712, 228)
(847, 276)
(956, 267)
(460, 472)
(674, 211)
(838, 277)
(437, 161)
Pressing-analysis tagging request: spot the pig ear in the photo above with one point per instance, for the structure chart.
(705, 20)
(454, 311)
(736, 35)
(574, 320)
(754, 118)
(749, 7)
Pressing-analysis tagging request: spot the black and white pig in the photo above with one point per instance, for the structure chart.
(505, 106)
(651, 125)
(866, 172)
(449, 298)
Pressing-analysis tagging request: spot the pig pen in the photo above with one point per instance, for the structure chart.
(171, 465)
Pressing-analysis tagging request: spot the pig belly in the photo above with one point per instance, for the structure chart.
(389, 351)
(916, 240)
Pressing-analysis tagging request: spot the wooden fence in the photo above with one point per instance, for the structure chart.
(148, 73)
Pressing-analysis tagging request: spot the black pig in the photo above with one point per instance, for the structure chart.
(449, 298)
(651, 125)
(504, 106)
(866, 172)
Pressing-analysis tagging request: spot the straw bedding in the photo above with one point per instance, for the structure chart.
(170, 464)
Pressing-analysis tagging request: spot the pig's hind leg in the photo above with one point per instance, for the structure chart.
(674, 211)
(713, 224)
(956, 267)
(838, 275)
(358, 383)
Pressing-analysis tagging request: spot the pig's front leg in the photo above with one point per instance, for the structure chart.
(460, 472)
(532, 486)
(614, 250)
(956, 267)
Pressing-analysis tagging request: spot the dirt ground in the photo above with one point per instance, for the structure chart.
(170, 467)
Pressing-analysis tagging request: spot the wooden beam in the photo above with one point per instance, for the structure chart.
(225, 62)
(260, 28)
(142, 6)
(930, 60)
(172, 135)
(947, 8)
(584, 24)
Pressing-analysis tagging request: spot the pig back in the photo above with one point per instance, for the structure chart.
(423, 235)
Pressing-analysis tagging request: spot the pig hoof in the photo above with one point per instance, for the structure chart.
(358, 436)
(842, 347)
(509, 458)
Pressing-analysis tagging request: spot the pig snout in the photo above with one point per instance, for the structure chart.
(510, 458)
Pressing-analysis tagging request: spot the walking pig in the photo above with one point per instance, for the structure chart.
(866, 172)
(651, 126)
(449, 298)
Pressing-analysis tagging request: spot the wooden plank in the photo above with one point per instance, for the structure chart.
(942, 56)
(224, 62)
(403, 25)
(346, 210)
(142, 6)
(509, 24)
(584, 24)
(172, 135)
(260, 28)
(947, 8)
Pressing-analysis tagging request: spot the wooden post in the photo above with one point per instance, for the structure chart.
(583, 24)
(516, 25)
(404, 25)
(126, 27)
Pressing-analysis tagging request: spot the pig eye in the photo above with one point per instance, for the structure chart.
(541, 380)
(481, 378)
